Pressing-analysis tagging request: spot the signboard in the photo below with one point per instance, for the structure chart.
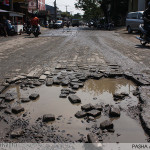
(17, 1)
(5, 2)
(32, 5)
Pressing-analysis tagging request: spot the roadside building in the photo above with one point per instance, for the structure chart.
(51, 11)
(137, 5)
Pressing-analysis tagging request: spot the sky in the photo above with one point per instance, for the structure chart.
(61, 4)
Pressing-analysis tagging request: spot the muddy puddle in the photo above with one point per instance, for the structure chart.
(94, 92)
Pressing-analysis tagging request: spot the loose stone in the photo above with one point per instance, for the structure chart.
(17, 109)
(74, 99)
(1, 100)
(76, 87)
(106, 125)
(93, 138)
(65, 82)
(98, 107)
(47, 73)
(9, 97)
(49, 82)
(48, 117)
(16, 133)
(63, 95)
(25, 100)
(87, 107)
(80, 114)
(94, 113)
(34, 96)
(37, 83)
(7, 111)
(42, 77)
(114, 112)
(3, 106)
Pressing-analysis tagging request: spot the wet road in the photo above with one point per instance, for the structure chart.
(70, 47)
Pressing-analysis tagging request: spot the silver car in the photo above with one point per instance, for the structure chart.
(133, 20)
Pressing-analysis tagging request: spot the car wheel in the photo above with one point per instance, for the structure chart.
(129, 29)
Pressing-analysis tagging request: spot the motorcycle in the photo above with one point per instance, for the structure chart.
(109, 26)
(35, 31)
(29, 30)
(144, 36)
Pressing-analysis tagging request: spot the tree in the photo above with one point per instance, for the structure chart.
(91, 8)
(111, 9)
(77, 16)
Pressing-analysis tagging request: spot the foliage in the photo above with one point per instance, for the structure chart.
(94, 9)
(65, 14)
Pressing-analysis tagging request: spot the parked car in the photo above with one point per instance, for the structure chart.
(133, 20)
(59, 24)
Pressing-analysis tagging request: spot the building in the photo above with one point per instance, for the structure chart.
(51, 10)
(41, 5)
(137, 5)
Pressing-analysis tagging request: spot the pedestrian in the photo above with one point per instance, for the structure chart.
(3, 26)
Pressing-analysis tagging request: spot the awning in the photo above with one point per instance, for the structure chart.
(11, 13)
(4, 11)
(16, 14)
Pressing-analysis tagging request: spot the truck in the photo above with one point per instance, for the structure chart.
(75, 22)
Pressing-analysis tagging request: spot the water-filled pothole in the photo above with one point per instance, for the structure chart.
(94, 92)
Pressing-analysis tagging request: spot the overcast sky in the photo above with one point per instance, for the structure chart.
(61, 4)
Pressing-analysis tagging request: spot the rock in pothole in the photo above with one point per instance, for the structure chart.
(107, 124)
(98, 107)
(3, 106)
(65, 82)
(125, 94)
(17, 109)
(7, 111)
(75, 87)
(65, 91)
(37, 83)
(114, 112)
(81, 114)
(87, 107)
(49, 82)
(94, 113)
(25, 100)
(34, 96)
(16, 133)
(43, 77)
(120, 96)
(1, 100)
(56, 81)
(63, 95)
(48, 118)
(93, 138)
(74, 99)
(9, 97)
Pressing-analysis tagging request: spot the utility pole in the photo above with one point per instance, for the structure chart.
(66, 7)
(55, 7)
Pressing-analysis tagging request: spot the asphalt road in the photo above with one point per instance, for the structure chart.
(72, 46)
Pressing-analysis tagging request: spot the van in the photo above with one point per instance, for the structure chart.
(133, 20)
(75, 22)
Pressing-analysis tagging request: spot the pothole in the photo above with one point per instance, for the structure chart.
(101, 92)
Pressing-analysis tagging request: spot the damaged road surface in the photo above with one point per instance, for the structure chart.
(74, 85)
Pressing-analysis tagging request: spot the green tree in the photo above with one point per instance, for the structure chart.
(111, 9)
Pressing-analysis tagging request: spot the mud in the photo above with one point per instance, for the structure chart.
(66, 124)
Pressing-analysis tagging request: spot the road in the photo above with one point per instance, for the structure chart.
(22, 54)
(76, 54)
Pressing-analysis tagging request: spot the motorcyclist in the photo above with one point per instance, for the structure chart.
(35, 22)
(146, 18)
